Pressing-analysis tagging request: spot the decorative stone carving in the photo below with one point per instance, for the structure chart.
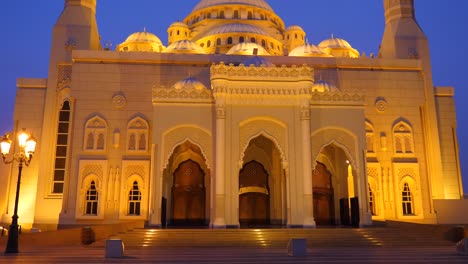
(381, 104)
(269, 73)
(338, 98)
(64, 73)
(162, 95)
(119, 101)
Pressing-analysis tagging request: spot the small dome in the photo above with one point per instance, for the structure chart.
(308, 50)
(233, 28)
(185, 46)
(248, 48)
(179, 24)
(322, 86)
(257, 61)
(189, 83)
(335, 43)
(141, 41)
(339, 48)
(294, 27)
(209, 3)
(143, 37)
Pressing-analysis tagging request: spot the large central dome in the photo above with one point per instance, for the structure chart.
(210, 3)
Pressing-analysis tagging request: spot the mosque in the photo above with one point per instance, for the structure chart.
(237, 121)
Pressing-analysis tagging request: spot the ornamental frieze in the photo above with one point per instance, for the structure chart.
(182, 95)
(263, 72)
(338, 98)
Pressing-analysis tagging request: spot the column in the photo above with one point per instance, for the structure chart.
(307, 168)
(219, 217)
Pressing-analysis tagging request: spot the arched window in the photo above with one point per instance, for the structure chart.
(95, 134)
(218, 41)
(208, 15)
(134, 200)
(403, 138)
(91, 199)
(221, 14)
(371, 201)
(263, 43)
(241, 40)
(229, 40)
(137, 135)
(407, 200)
(236, 14)
(61, 150)
(208, 44)
(249, 15)
(253, 40)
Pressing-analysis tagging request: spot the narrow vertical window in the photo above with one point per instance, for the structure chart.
(407, 200)
(218, 42)
(137, 131)
(100, 142)
(236, 14)
(142, 143)
(132, 142)
(371, 201)
(241, 40)
(91, 199)
(229, 40)
(61, 148)
(134, 200)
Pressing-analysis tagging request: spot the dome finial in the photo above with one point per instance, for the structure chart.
(144, 29)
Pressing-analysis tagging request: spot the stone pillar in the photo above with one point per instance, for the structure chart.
(219, 212)
(307, 168)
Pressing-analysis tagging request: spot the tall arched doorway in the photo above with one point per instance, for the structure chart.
(254, 195)
(331, 192)
(188, 195)
(262, 185)
(185, 188)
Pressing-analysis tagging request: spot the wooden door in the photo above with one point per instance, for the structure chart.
(324, 209)
(188, 195)
(254, 198)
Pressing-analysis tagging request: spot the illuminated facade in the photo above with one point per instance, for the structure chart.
(237, 121)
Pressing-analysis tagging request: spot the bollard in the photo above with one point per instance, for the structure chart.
(114, 248)
(297, 247)
(87, 235)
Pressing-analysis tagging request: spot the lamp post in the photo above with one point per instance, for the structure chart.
(27, 146)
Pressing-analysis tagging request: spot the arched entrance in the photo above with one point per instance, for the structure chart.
(262, 185)
(333, 186)
(188, 195)
(185, 188)
(254, 196)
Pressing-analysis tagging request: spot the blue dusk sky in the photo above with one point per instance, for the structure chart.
(27, 27)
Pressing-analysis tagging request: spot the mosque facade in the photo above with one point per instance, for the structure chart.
(237, 121)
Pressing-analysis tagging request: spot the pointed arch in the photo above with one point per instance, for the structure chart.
(403, 141)
(340, 137)
(271, 128)
(95, 134)
(137, 135)
(194, 134)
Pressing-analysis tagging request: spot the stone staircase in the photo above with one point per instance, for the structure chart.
(406, 236)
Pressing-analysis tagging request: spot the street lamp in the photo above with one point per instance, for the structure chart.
(27, 146)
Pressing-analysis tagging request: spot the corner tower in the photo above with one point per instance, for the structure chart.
(403, 38)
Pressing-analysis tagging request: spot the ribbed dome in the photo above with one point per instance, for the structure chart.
(247, 48)
(323, 86)
(257, 61)
(308, 50)
(233, 28)
(335, 43)
(185, 46)
(143, 37)
(209, 3)
(189, 83)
